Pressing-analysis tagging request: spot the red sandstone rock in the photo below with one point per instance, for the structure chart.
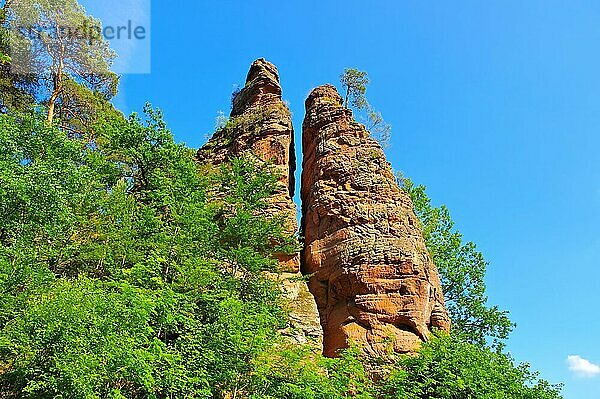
(372, 277)
(261, 124)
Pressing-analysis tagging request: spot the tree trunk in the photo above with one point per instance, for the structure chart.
(52, 105)
(57, 86)
(347, 96)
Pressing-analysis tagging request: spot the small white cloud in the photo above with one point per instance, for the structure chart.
(582, 367)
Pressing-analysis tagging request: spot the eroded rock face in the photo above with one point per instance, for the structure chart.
(261, 125)
(373, 279)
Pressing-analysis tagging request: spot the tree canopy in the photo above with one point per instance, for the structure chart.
(120, 275)
(126, 271)
(354, 83)
(57, 42)
(15, 90)
(462, 270)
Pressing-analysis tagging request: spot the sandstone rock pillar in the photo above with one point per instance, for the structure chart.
(373, 280)
(260, 125)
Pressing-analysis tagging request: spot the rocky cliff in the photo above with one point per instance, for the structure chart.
(372, 277)
(260, 126)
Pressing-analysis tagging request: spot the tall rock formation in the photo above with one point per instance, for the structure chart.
(260, 125)
(372, 277)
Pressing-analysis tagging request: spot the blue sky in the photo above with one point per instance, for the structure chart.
(495, 107)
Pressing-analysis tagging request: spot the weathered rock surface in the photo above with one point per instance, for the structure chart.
(260, 125)
(304, 324)
(372, 277)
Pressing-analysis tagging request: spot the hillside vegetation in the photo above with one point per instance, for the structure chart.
(128, 271)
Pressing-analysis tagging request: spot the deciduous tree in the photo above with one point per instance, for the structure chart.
(16, 90)
(462, 270)
(64, 43)
(354, 83)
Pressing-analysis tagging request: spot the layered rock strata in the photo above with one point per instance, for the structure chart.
(371, 275)
(260, 126)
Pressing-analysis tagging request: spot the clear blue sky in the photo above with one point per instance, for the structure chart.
(495, 107)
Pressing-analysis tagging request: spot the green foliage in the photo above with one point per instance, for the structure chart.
(444, 368)
(57, 26)
(123, 271)
(447, 368)
(80, 108)
(86, 338)
(15, 90)
(226, 128)
(355, 83)
(56, 41)
(462, 270)
(297, 373)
